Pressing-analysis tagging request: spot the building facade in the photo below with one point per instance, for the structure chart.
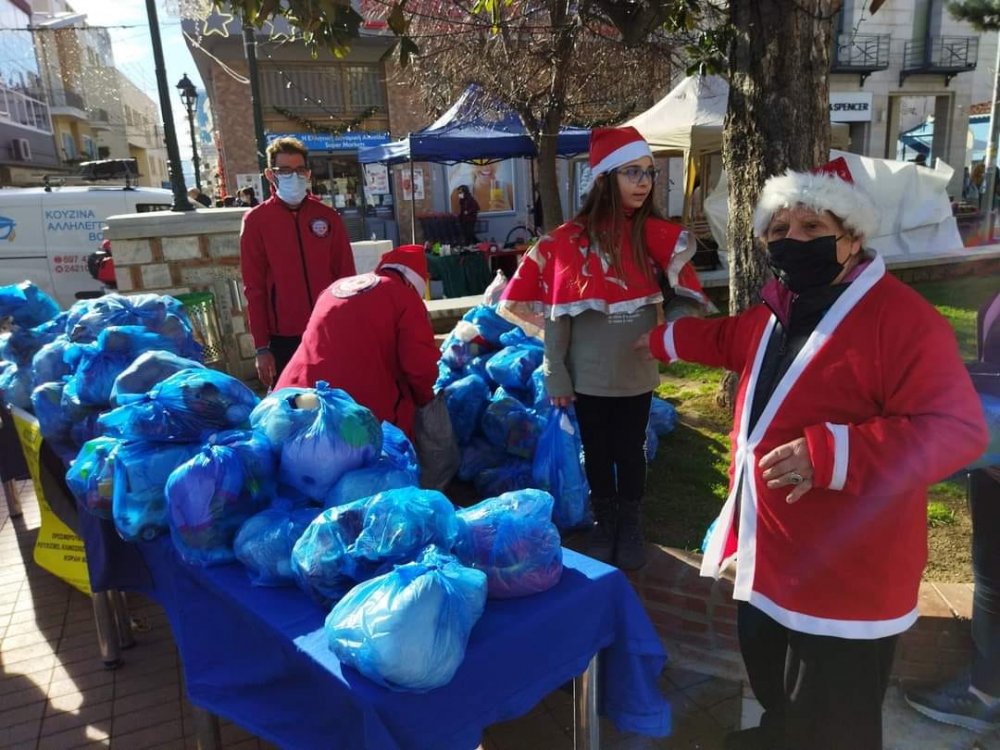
(27, 147)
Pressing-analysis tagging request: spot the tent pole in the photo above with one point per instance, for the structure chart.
(413, 207)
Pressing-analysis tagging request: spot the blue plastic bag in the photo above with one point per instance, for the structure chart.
(320, 433)
(141, 470)
(20, 345)
(408, 629)
(477, 366)
(188, 406)
(558, 469)
(259, 462)
(51, 363)
(264, 543)
(90, 476)
(652, 443)
(15, 386)
(27, 304)
(517, 337)
(524, 397)
(991, 411)
(354, 542)
(509, 424)
(398, 450)
(662, 416)
(513, 540)
(477, 456)
(106, 359)
(512, 366)
(446, 376)
(539, 394)
(358, 484)
(708, 535)
(145, 371)
(46, 401)
(462, 345)
(208, 501)
(512, 474)
(466, 399)
(489, 324)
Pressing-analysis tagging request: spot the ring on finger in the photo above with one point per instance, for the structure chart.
(795, 478)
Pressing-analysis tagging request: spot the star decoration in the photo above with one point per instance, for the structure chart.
(217, 23)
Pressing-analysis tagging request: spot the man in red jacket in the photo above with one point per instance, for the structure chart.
(371, 336)
(292, 247)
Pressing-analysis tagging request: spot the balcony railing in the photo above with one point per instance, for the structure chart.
(67, 98)
(941, 55)
(24, 110)
(861, 54)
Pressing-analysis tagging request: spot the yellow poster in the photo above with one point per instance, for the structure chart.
(57, 549)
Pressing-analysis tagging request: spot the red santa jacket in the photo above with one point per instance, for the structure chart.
(886, 406)
(371, 336)
(287, 258)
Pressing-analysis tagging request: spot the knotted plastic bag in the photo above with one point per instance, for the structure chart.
(488, 323)
(145, 371)
(264, 543)
(46, 400)
(141, 470)
(27, 304)
(15, 386)
(513, 540)
(51, 363)
(408, 629)
(21, 344)
(477, 456)
(509, 424)
(320, 434)
(466, 399)
(208, 500)
(354, 542)
(662, 416)
(367, 481)
(90, 475)
(188, 406)
(397, 449)
(512, 474)
(512, 366)
(557, 468)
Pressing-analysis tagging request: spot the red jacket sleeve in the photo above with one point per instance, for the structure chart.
(418, 355)
(341, 255)
(253, 267)
(716, 342)
(932, 422)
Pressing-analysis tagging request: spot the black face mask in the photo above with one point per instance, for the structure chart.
(804, 264)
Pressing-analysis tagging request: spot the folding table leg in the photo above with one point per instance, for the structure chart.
(206, 730)
(13, 501)
(107, 633)
(586, 727)
(123, 623)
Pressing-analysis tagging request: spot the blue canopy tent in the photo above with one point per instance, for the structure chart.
(476, 126)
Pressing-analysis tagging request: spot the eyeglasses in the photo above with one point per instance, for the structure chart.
(288, 171)
(635, 174)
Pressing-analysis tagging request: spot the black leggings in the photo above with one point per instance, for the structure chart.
(613, 431)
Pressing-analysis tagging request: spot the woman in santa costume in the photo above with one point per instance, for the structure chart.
(592, 286)
(852, 399)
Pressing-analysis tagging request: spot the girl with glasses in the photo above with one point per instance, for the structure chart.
(592, 285)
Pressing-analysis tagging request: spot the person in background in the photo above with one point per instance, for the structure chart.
(371, 336)
(852, 400)
(592, 285)
(468, 213)
(229, 202)
(292, 247)
(196, 195)
(248, 197)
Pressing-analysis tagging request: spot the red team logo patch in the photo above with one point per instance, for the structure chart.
(320, 227)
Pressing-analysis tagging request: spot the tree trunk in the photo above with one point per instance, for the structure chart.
(548, 180)
(778, 117)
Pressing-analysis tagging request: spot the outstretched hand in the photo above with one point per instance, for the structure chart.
(641, 347)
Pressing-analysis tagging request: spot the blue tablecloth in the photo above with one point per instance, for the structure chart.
(258, 656)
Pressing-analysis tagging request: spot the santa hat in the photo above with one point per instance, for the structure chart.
(410, 261)
(827, 188)
(613, 147)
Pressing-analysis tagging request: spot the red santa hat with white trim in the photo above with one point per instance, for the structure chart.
(830, 188)
(411, 262)
(613, 147)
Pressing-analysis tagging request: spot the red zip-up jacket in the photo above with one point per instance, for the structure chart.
(287, 258)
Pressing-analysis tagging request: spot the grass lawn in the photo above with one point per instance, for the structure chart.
(688, 480)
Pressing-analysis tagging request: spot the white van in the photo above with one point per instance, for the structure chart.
(46, 234)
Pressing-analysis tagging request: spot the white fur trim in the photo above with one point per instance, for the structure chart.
(841, 453)
(668, 343)
(622, 155)
(820, 192)
(853, 629)
(412, 276)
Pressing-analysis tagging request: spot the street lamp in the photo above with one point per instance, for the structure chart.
(189, 95)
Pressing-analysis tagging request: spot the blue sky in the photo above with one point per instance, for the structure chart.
(134, 56)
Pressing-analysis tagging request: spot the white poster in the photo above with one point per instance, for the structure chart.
(416, 190)
(376, 179)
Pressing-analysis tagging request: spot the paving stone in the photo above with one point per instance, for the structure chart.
(64, 682)
(152, 736)
(29, 712)
(13, 657)
(98, 714)
(154, 715)
(709, 693)
(12, 735)
(137, 700)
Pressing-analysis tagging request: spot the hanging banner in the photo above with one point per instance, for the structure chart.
(416, 190)
(57, 549)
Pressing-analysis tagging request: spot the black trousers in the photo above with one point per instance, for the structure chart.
(818, 692)
(283, 347)
(613, 431)
(984, 503)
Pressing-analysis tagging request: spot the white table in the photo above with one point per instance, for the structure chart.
(368, 252)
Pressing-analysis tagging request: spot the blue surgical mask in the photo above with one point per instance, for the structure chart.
(291, 188)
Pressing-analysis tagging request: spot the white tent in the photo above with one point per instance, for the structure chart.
(912, 201)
